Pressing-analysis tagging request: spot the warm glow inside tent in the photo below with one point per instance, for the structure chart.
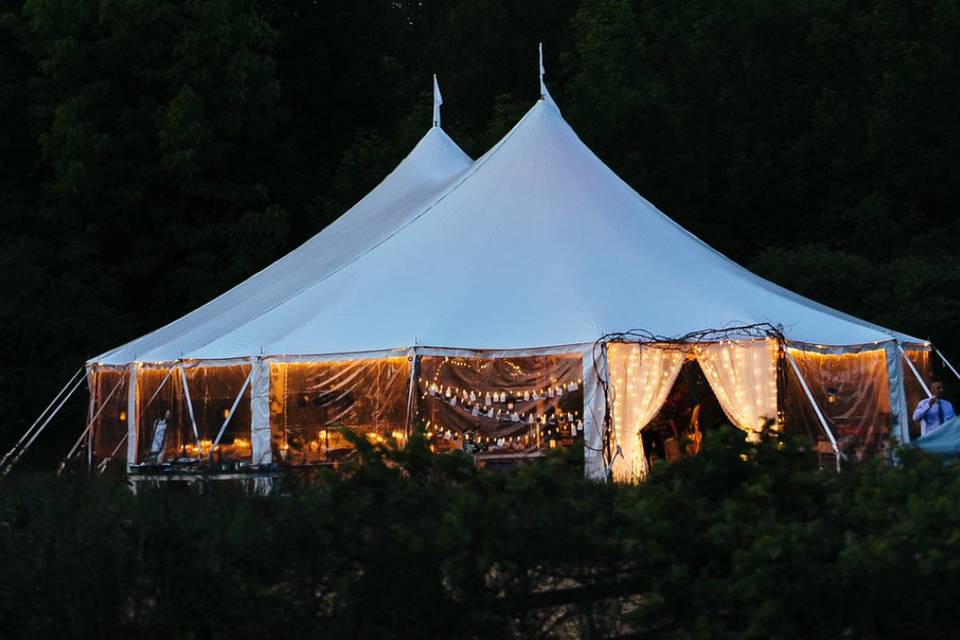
(477, 299)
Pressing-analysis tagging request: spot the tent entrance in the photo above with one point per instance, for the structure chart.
(690, 411)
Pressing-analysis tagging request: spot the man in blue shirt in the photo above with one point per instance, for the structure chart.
(933, 411)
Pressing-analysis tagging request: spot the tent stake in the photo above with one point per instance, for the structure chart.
(916, 374)
(816, 407)
(947, 362)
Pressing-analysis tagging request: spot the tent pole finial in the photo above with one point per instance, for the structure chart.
(437, 101)
(543, 87)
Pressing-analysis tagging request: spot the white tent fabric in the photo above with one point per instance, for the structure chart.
(432, 164)
(536, 244)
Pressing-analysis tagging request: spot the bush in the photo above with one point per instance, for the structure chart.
(741, 541)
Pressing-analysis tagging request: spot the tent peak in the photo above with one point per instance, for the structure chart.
(437, 101)
(544, 93)
(543, 87)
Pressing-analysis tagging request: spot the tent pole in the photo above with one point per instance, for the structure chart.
(90, 409)
(947, 362)
(26, 434)
(916, 373)
(77, 444)
(407, 427)
(816, 407)
(233, 408)
(186, 392)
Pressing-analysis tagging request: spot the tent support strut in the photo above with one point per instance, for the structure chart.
(816, 407)
(76, 445)
(226, 421)
(947, 363)
(916, 374)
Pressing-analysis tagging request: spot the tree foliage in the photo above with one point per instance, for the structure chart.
(743, 541)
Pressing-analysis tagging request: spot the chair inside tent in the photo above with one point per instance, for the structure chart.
(491, 304)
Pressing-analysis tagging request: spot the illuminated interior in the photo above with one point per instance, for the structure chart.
(311, 402)
(500, 409)
(206, 423)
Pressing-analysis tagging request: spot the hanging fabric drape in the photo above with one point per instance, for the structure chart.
(640, 379)
(743, 376)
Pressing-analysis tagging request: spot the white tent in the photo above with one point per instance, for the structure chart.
(535, 248)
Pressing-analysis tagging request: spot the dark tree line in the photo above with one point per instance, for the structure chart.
(154, 153)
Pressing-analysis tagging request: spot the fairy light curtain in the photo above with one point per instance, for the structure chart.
(110, 427)
(501, 406)
(641, 378)
(310, 402)
(743, 376)
(852, 390)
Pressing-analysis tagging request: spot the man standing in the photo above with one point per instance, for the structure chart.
(933, 411)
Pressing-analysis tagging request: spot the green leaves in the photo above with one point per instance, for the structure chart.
(741, 541)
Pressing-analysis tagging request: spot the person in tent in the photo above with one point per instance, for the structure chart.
(933, 411)
(159, 437)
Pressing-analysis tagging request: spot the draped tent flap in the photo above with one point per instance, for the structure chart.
(743, 376)
(640, 378)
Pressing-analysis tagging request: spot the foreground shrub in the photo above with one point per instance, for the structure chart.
(741, 541)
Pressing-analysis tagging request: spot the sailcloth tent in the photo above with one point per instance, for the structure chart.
(471, 296)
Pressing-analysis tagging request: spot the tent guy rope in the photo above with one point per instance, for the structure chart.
(90, 424)
(19, 448)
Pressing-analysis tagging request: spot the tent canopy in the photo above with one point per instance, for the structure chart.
(536, 244)
(430, 166)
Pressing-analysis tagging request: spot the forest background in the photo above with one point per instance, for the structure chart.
(153, 153)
